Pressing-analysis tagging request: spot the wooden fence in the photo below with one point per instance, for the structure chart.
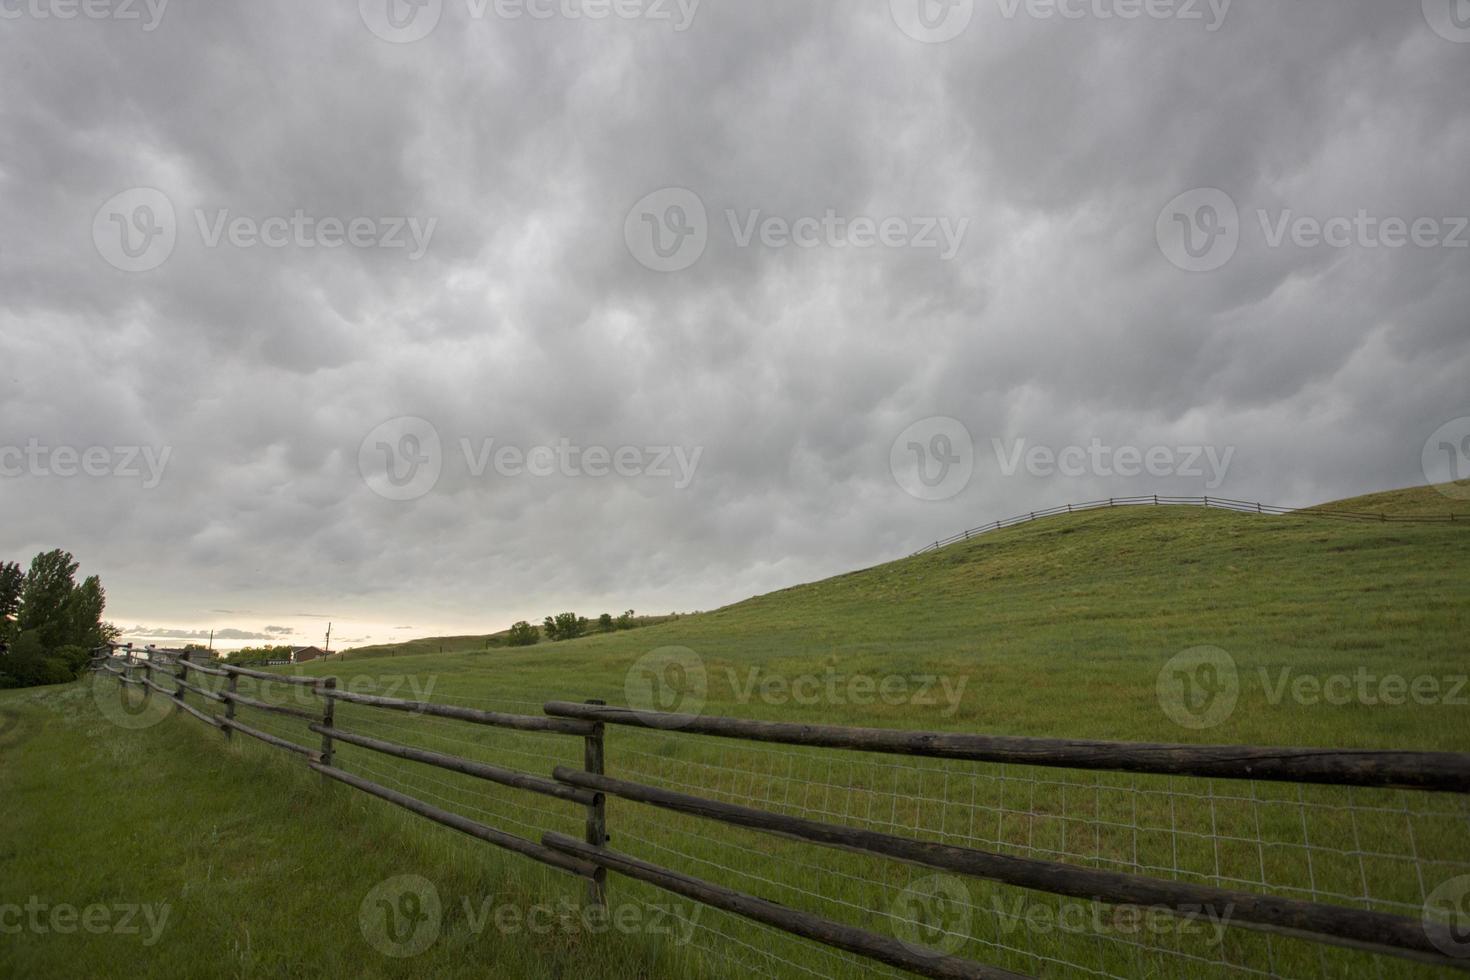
(590, 857)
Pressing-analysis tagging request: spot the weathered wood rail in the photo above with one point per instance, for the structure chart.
(589, 787)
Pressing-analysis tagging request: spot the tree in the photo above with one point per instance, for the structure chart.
(605, 622)
(523, 634)
(260, 655)
(569, 626)
(548, 626)
(82, 612)
(11, 581)
(43, 597)
(626, 621)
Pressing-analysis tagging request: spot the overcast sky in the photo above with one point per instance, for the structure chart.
(785, 288)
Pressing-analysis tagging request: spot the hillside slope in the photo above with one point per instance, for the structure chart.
(1045, 622)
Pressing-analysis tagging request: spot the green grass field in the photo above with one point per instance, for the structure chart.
(1059, 628)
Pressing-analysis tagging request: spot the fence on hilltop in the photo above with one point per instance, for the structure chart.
(1208, 503)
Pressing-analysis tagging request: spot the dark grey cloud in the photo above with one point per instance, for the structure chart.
(528, 320)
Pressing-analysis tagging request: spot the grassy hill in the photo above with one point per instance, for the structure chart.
(472, 643)
(1047, 620)
(1057, 628)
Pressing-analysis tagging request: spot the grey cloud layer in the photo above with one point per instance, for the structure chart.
(527, 320)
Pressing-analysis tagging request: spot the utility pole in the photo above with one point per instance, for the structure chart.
(328, 651)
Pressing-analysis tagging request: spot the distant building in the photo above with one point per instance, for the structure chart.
(301, 655)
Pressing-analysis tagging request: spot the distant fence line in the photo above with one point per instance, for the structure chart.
(590, 858)
(1209, 503)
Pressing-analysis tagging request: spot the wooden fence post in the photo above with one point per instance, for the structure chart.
(183, 673)
(148, 676)
(329, 714)
(594, 760)
(232, 686)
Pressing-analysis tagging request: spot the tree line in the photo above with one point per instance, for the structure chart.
(569, 626)
(49, 623)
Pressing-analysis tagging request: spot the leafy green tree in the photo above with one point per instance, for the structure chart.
(549, 627)
(627, 620)
(82, 612)
(569, 626)
(44, 595)
(260, 655)
(523, 634)
(605, 622)
(56, 623)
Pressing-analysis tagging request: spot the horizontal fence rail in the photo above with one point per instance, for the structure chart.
(1401, 770)
(1327, 924)
(1208, 503)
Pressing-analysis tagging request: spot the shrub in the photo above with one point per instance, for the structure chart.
(523, 634)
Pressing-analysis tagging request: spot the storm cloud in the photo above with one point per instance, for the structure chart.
(472, 314)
